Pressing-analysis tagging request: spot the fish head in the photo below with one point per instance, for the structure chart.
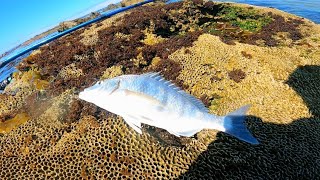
(100, 91)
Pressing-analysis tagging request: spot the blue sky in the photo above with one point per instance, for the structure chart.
(22, 19)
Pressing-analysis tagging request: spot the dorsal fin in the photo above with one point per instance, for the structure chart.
(195, 101)
(157, 76)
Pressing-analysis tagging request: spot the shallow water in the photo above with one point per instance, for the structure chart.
(308, 9)
(8, 69)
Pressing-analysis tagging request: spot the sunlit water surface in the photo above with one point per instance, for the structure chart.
(309, 9)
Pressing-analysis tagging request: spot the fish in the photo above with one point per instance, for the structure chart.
(150, 99)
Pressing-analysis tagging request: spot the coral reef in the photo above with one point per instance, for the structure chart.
(227, 55)
(206, 70)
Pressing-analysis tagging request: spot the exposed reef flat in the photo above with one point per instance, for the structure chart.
(227, 55)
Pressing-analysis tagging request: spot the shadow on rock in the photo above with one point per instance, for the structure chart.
(305, 80)
(286, 151)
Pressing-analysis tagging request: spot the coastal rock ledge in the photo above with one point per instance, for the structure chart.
(227, 55)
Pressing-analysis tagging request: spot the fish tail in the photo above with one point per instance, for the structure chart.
(233, 124)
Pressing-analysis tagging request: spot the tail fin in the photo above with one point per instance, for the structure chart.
(233, 124)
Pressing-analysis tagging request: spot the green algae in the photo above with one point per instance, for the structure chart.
(244, 18)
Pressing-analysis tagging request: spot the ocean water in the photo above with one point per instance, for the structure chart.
(8, 69)
(309, 9)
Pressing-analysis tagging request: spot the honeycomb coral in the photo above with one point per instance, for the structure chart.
(206, 67)
(64, 137)
(100, 148)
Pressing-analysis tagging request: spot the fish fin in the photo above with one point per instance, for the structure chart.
(134, 123)
(233, 124)
(189, 133)
(195, 101)
(151, 74)
(174, 133)
(146, 119)
(157, 76)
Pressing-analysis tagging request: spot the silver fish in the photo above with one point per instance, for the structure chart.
(150, 99)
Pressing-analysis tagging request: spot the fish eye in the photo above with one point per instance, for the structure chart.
(99, 82)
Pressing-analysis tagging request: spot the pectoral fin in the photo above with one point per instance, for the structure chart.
(189, 133)
(174, 133)
(134, 123)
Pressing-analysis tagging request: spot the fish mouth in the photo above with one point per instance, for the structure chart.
(81, 95)
(77, 91)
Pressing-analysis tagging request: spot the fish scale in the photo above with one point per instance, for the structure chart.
(170, 96)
